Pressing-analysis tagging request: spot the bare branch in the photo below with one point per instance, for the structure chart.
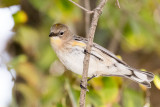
(97, 13)
(117, 2)
(88, 11)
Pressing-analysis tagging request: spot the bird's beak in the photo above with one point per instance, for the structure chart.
(52, 34)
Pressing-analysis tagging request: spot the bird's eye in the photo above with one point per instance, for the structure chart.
(61, 33)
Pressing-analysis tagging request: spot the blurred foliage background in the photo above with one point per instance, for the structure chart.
(133, 32)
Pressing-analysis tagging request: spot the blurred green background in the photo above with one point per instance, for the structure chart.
(133, 32)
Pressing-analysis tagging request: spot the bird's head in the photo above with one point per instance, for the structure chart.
(59, 34)
(60, 30)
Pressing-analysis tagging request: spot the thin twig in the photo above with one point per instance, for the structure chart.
(117, 2)
(88, 11)
(87, 16)
(91, 33)
(97, 12)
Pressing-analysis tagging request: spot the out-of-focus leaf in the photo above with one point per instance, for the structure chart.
(116, 105)
(106, 91)
(20, 17)
(109, 92)
(97, 83)
(136, 41)
(53, 90)
(157, 81)
(63, 11)
(118, 80)
(132, 98)
(71, 94)
(26, 70)
(7, 3)
(29, 73)
(29, 94)
(20, 59)
(59, 105)
(28, 38)
(93, 98)
(46, 57)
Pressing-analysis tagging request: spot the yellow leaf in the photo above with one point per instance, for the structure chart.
(20, 17)
(29, 73)
(157, 81)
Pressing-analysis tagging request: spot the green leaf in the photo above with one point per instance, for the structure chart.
(132, 98)
(110, 90)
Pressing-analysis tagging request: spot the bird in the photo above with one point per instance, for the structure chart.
(71, 49)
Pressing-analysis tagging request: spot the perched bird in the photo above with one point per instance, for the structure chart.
(70, 49)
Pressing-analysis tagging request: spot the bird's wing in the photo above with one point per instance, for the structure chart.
(108, 53)
(123, 70)
(100, 48)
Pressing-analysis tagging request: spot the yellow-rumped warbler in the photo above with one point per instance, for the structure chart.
(70, 49)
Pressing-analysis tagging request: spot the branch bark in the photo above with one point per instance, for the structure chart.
(117, 2)
(96, 13)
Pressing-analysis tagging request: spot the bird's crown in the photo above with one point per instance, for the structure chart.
(58, 27)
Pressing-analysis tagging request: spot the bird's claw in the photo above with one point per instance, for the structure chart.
(83, 87)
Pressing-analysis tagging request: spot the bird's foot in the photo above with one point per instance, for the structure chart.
(83, 87)
(91, 77)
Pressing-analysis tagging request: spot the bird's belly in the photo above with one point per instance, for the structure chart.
(74, 61)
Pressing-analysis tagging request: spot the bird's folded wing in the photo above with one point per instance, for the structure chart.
(100, 48)
(108, 53)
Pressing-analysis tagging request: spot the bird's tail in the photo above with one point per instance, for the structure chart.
(142, 77)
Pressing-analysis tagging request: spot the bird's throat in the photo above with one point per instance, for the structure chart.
(56, 42)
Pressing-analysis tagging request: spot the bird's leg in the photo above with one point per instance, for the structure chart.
(91, 77)
(87, 84)
(85, 88)
(85, 51)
